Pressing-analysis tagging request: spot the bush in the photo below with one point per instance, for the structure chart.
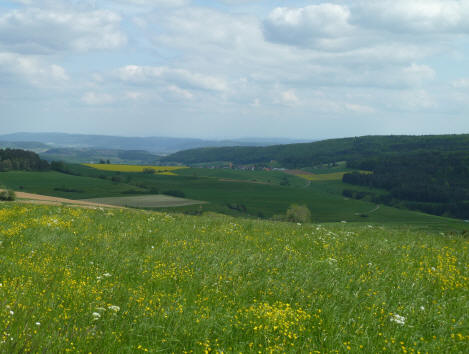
(298, 213)
(7, 195)
(149, 171)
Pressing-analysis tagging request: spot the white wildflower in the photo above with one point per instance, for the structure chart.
(38, 323)
(422, 308)
(107, 275)
(114, 308)
(100, 309)
(331, 261)
(398, 319)
(298, 223)
(96, 316)
(343, 222)
(11, 313)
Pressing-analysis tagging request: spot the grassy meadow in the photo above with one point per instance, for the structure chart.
(107, 281)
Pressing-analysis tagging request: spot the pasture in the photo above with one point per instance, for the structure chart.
(108, 281)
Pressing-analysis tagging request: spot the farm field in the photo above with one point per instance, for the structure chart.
(107, 281)
(65, 185)
(147, 201)
(168, 170)
(239, 198)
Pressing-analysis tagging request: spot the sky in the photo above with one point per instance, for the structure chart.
(220, 69)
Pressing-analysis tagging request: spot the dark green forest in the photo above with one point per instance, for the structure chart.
(434, 182)
(16, 159)
(326, 151)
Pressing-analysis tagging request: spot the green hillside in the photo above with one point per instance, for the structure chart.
(310, 154)
(229, 192)
(105, 281)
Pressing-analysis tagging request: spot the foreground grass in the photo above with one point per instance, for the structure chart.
(123, 281)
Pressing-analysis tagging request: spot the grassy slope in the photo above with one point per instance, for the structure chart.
(172, 283)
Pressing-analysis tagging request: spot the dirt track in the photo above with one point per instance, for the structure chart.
(45, 199)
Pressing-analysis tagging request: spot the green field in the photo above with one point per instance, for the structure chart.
(102, 281)
(55, 184)
(225, 191)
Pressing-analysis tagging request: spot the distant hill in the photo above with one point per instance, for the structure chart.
(25, 145)
(157, 145)
(326, 151)
(90, 155)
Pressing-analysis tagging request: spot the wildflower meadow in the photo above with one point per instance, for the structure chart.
(117, 281)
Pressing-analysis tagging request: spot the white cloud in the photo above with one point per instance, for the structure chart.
(177, 77)
(289, 98)
(416, 74)
(323, 26)
(418, 16)
(46, 31)
(134, 95)
(95, 98)
(186, 94)
(32, 70)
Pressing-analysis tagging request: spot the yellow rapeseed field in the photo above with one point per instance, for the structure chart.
(163, 170)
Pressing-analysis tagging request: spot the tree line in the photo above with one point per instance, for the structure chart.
(17, 159)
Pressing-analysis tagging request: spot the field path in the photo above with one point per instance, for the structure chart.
(23, 197)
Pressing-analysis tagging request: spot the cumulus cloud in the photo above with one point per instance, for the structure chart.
(416, 16)
(321, 26)
(35, 30)
(32, 70)
(174, 77)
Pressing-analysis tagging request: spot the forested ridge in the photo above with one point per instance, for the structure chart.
(16, 159)
(434, 182)
(326, 151)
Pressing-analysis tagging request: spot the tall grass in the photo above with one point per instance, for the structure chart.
(122, 281)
